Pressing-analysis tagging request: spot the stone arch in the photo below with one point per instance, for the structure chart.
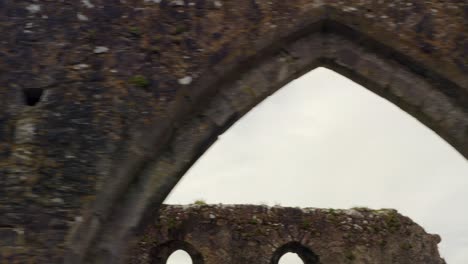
(304, 253)
(347, 39)
(161, 253)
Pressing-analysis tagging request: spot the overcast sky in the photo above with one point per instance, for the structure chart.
(325, 141)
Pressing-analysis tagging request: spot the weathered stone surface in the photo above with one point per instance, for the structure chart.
(94, 95)
(259, 234)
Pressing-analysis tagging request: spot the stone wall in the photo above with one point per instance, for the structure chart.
(244, 234)
(105, 104)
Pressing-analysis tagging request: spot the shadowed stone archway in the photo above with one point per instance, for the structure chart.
(132, 93)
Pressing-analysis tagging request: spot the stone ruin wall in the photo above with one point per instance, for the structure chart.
(242, 234)
(134, 91)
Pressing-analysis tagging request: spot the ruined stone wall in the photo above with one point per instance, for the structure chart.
(105, 104)
(244, 234)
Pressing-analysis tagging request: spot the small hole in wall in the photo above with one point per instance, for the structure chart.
(32, 96)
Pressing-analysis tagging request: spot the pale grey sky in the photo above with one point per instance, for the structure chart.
(325, 141)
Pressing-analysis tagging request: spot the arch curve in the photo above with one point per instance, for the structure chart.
(137, 90)
(161, 253)
(304, 253)
(185, 138)
(225, 92)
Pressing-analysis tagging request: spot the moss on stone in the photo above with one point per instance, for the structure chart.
(135, 31)
(406, 246)
(200, 202)
(392, 221)
(349, 256)
(306, 224)
(139, 81)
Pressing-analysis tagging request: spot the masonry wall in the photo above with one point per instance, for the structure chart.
(245, 234)
(105, 104)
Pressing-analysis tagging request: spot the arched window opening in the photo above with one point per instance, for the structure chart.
(176, 252)
(290, 258)
(179, 257)
(294, 253)
(32, 96)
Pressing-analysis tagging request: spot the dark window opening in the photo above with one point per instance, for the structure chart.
(32, 96)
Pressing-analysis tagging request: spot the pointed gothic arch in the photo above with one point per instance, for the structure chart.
(434, 100)
(93, 188)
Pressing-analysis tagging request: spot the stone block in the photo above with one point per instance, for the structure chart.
(408, 87)
(10, 236)
(306, 51)
(219, 111)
